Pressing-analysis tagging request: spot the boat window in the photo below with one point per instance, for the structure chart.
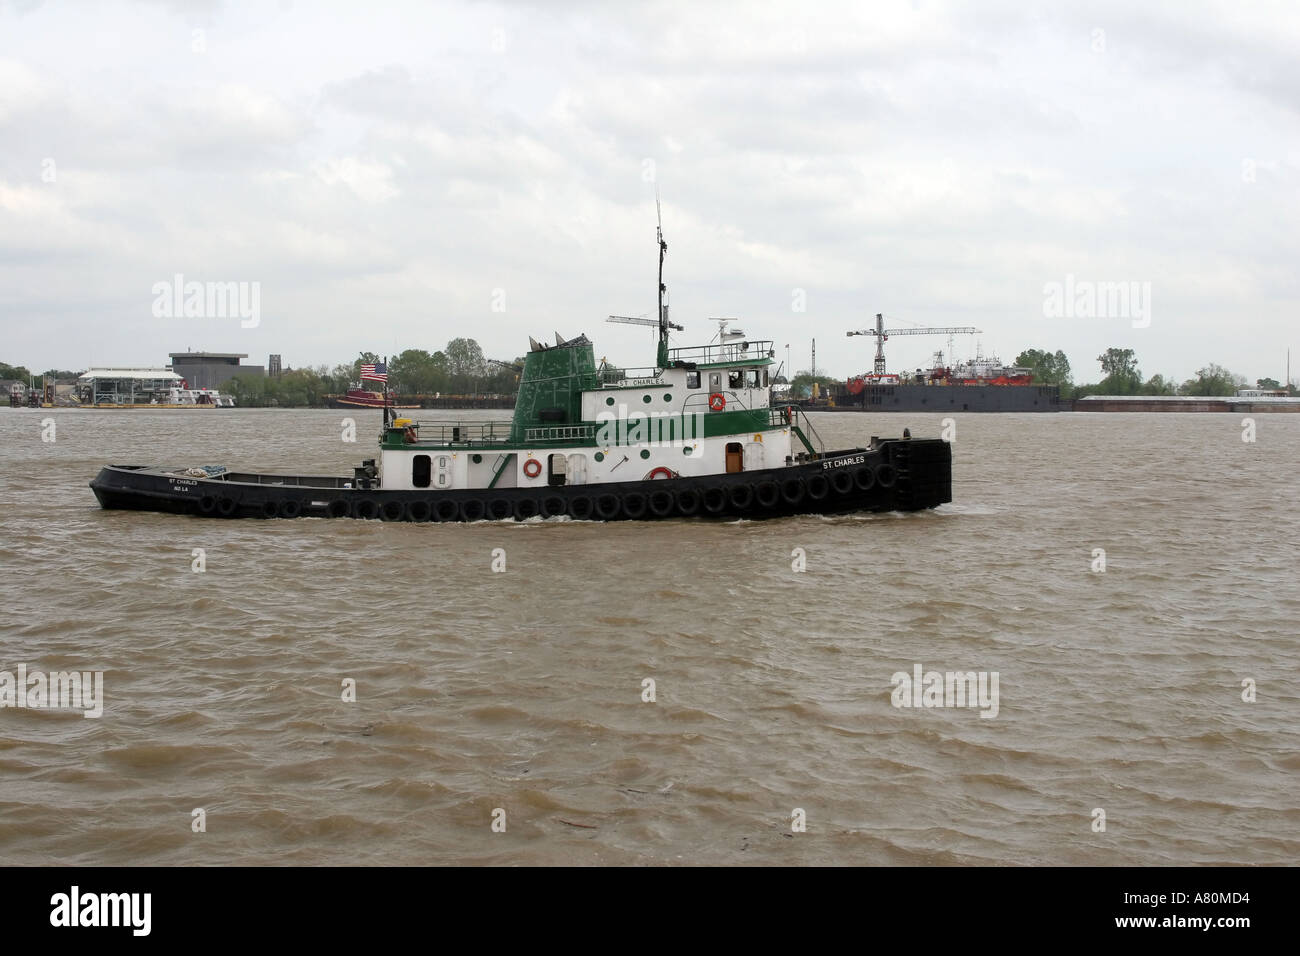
(737, 378)
(693, 379)
(753, 377)
(765, 378)
(420, 471)
(715, 381)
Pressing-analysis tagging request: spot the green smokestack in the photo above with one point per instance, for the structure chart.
(550, 387)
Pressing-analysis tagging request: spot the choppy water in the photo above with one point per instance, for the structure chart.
(522, 690)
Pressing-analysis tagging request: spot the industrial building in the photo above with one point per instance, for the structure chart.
(211, 369)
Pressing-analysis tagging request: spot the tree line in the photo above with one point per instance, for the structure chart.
(1122, 376)
(458, 369)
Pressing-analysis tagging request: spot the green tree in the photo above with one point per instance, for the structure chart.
(248, 391)
(801, 385)
(1121, 370)
(1049, 368)
(465, 365)
(1158, 385)
(1213, 380)
(19, 372)
(1267, 383)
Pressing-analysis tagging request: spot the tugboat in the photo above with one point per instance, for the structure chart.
(696, 435)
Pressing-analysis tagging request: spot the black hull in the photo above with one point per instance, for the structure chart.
(950, 398)
(894, 475)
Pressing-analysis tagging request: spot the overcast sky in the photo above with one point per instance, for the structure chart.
(396, 175)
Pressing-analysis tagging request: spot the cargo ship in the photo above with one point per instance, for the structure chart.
(977, 385)
(696, 435)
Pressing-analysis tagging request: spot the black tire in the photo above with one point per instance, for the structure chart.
(207, 505)
(392, 511)
(634, 505)
(553, 506)
(886, 475)
(660, 503)
(818, 487)
(607, 507)
(290, 508)
(842, 482)
(421, 510)
(715, 499)
(270, 509)
(445, 510)
(687, 501)
(472, 509)
(767, 494)
(864, 478)
(226, 507)
(581, 507)
(525, 508)
(792, 491)
(364, 508)
(740, 496)
(338, 508)
(499, 509)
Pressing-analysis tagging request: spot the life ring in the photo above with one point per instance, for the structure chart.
(532, 468)
(789, 414)
(661, 470)
(717, 401)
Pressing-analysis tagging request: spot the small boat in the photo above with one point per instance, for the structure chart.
(360, 397)
(698, 434)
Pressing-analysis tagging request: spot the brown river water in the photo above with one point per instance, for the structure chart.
(522, 691)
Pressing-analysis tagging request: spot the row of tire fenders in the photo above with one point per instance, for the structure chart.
(660, 502)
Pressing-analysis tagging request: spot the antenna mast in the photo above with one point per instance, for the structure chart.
(663, 309)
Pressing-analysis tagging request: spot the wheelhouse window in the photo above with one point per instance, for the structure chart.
(754, 378)
(737, 378)
(693, 379)
(420, 471)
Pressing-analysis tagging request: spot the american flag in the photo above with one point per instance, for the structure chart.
(377, 372)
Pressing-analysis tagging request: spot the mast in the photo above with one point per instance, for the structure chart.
(663, 309)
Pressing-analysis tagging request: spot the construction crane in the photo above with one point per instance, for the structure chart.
(881, 333)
